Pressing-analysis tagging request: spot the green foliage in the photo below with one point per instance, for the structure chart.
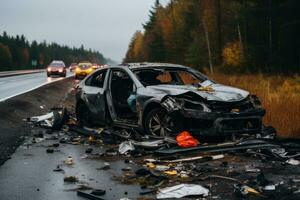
(17, 53)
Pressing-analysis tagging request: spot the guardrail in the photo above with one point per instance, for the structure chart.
(20, 72)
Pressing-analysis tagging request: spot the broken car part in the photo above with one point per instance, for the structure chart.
(182, 190)
(248, 144)
(88, 195)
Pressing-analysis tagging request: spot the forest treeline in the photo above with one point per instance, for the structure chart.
(17, 53)
(228, 35)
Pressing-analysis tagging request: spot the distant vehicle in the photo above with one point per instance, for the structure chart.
(95, 66)
(73, 67)
(164, 99)
(57, 67)
(83, 69)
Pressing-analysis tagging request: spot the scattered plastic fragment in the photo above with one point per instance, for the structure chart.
(243, 190)
(50, 150)
(186, 140)
(292, 161)
(105, 166)
(98, 192)
(88, 196)
(182, 190)
(70, 179)
(69, 161)
(269, 187)
(89, 150)
(171, 172)
(125, 147)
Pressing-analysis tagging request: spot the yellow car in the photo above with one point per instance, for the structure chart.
(83, 69)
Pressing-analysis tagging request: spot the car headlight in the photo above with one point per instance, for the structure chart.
(60, 70)
(49, 69)
(77, 69)
(173, 104)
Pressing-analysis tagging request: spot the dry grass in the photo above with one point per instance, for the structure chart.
(280, 96)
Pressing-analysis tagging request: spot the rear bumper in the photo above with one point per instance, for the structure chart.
(211, 124)
(81, 74)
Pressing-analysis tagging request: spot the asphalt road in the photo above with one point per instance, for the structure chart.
(16, 85)
(29, 174)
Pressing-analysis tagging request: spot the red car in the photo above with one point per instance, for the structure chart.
(57, 67)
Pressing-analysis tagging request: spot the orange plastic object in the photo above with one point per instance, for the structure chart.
(186, 140)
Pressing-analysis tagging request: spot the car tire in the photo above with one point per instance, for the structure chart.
(159, 123)
(83, 115)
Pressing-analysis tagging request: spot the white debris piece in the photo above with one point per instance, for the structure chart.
(292, 161)
(149, 144)
(181, 190)
(41, 117)
(125, 147)
(270, 187)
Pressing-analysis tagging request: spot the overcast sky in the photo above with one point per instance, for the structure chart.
(104, 25)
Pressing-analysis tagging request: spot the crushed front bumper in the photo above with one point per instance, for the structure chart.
(217, 123)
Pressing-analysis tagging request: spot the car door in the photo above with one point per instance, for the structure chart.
(95, 96)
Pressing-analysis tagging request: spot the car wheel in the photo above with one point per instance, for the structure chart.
(159, 123)
(83, 115)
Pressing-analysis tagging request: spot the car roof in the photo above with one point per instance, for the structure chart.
(57, 61)
(84, 63)
(146, 65)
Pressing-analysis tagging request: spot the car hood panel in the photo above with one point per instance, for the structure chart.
(218, 92)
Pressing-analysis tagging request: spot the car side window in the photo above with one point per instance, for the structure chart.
(97, 80)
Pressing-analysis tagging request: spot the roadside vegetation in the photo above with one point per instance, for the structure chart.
(252, 36)
(280, 95)
(16, 52)
(239, 43)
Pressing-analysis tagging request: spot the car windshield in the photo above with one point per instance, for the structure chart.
(85, 66)
(168, 76)
(56, 65)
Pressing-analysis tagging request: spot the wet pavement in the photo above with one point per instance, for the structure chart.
(16, 85)
(29, 174)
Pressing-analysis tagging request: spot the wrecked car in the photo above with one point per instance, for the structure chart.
(164, 99)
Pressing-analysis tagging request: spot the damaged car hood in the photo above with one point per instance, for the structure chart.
(211, 92)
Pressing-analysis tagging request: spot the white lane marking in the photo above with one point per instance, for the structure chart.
(46, 83)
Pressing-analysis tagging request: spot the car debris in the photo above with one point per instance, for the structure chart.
(98, 192)
(186, 140)
(88, 195)
(156, 163)
(54, 119)
(292, 161)
(189, 159)
(69, 161)
(105, 166)
(182, 190)
(125, 147)
(243, 190)
(70, 179)
(247, 144)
